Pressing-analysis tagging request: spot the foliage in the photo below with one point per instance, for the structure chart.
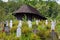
(49, 9)
(43, 31)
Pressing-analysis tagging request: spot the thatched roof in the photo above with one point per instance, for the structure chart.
(27, 9)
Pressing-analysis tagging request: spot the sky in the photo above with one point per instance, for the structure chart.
(58, 1)
(5, 0)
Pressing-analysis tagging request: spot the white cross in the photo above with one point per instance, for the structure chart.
(18, 32)
(53, 24)
(10, 23)
(19, 28)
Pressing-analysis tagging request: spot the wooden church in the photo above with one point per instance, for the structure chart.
(29, 12)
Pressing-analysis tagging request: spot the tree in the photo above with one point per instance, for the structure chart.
(49, 9)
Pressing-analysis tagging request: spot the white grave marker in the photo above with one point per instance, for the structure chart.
(18, 32)
(37, 22)
(10, 23)
(46, 22)
(19, 29)
(29, 23)
(53, 24)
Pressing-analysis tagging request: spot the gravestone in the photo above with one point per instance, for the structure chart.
(53, 34)
(10, 23)
(18, 34)
(37, 22)
(6, 28)
(29, 24)
(53, 24)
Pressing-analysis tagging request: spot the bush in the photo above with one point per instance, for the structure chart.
(43, 31)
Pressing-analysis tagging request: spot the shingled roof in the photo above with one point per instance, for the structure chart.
(27, 9)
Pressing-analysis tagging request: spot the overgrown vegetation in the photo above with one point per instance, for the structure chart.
(42, 33)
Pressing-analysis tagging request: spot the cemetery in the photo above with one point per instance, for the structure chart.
(27, 23)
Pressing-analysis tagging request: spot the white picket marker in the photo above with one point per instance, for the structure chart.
(37, 22)
(53, 24)
(6, 23)
(10, 23)
(19, 29)
(29, 23)
(46, 22)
